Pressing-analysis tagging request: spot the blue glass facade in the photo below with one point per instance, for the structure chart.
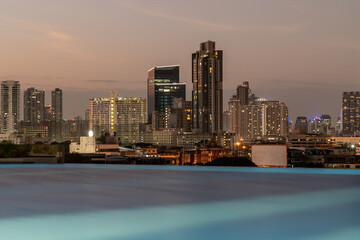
(163, 87)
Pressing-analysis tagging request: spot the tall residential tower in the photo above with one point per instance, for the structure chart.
(10, 106)
(57, 114)
(207, 94)
(351, 113)
(34, 106)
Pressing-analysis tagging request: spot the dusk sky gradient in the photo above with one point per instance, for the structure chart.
(304, 53)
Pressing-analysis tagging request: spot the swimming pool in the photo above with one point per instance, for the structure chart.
(109, 202)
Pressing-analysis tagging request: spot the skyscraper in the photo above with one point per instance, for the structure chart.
(301, 124)
(163, 86)
(237, 102)
(351, 113)
(325, 121)
(242, 93)
(57, 113)
(207, 94)
(34, 106)
(10, 105)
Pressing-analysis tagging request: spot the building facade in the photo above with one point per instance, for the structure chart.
(179, 116)
(268, 118)
(34, 106)
(301, 124)
(57, 115)
(10, 106)
(121, 115)
(351, 113)
(163, 85)
(207, 94)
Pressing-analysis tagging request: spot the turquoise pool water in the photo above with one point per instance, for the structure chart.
(94, 202)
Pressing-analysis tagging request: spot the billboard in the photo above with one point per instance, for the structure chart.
(269, 155)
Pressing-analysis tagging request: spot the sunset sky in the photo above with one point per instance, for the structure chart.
(304, 53)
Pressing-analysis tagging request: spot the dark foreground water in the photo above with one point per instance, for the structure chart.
(93, 202)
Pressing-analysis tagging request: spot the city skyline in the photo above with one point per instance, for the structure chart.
(305, 54)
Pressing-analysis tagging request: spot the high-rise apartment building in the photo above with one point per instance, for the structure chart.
(275, 119)
(57, 104)
(163, 85)
(351, 113)
(178, 116)
(57, 114)
(34, 106)
(250, 120)
(207, 94)
(242, 93)
(10, 106)
(99, 115)
(120, 115)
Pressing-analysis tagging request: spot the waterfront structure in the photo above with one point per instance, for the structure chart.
(121, 115)
(310, 141)
(163, 85)
(34, 106)
(301, 124)
(10, 106)
(351, 114)
(207, 94)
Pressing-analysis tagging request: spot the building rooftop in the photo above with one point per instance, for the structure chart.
(107, 202)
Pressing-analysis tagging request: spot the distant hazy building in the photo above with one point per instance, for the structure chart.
(99, 116)
(226, 121)
(351, 113)
(121, 115)
(301, 124)
(314, 126)
(34, 106)
(10, 106)
(325, 121)
(163, 85)
(57, 114)
(242, 93)
(207, 94)
(48, 113)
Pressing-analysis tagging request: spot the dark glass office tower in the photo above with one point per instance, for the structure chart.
(207, 95)
(163, 87)
(301, 124)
